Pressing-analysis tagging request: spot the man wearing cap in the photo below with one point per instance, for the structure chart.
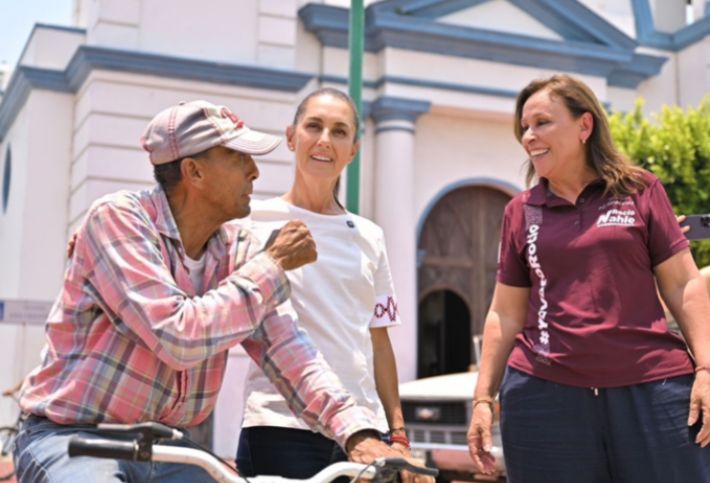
(157, 290)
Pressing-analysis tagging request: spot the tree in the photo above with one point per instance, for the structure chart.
(675, 146)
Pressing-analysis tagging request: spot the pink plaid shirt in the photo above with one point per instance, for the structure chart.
(130, 340)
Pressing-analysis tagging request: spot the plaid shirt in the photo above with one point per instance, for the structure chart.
(129, 340)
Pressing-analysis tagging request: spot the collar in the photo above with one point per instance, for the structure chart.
(164, 219)
(540, 194)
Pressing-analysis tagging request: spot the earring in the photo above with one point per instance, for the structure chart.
(584, 140)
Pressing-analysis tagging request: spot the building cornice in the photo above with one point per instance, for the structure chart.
(24, 80)
(89, 58)
(389, 108)
(386, 28)
(649, 36)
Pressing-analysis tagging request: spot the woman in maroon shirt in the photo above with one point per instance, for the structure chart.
(596, 388)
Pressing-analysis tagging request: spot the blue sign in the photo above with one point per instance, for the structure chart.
(2, 310)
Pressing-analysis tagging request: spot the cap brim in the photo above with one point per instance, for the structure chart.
(253, 142)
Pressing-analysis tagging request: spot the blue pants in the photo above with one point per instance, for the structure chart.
(554, 433)
(291, 453)
(41, 457)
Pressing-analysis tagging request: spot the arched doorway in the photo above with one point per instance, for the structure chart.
(444, 329)
(457, 258)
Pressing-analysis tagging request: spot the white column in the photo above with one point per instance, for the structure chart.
(395, 120)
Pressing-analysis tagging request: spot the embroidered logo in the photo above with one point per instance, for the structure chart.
(226, 113)
(615, 217)
(390, 308)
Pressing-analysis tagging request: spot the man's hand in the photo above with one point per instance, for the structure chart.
(365, 446)
(680, 219)
(293, 247)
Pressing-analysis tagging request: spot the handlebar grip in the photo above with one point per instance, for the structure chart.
(103, 448)
(403, 464)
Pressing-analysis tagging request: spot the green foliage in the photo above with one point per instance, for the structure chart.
(675, 146)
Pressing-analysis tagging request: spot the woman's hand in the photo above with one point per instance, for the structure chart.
(406, 476)
(480, 439)
(700, 406)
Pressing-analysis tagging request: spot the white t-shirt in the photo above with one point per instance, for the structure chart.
(338, 299)
(196, 268)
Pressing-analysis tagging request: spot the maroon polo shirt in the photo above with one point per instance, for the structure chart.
(594, 318)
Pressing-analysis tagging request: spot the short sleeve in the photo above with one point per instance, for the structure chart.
(385, 313)
(512, 267)
(665, 237)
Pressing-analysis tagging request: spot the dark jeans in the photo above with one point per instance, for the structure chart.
(554, 433)
(286, 452)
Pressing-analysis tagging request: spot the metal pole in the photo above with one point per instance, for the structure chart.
(356, 44)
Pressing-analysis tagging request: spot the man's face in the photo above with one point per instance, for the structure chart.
(229, 177)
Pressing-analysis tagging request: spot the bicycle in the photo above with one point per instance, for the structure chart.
(143, 448)
(8, 434)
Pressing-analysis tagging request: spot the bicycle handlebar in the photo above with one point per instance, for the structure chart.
(138, 450)
(104, 448)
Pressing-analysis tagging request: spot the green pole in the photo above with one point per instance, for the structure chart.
(356, 44)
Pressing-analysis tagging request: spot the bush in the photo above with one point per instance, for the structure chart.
(675, 146)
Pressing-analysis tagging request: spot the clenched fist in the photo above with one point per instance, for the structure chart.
(293, 246)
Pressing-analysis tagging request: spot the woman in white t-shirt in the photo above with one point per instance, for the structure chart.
(345, 300)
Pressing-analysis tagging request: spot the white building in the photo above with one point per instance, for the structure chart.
(439, 160)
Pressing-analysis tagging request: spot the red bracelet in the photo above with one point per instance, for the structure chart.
(702, 368)
(399, 438)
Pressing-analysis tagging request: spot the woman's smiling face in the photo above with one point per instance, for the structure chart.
(323, 137)
(551, 136)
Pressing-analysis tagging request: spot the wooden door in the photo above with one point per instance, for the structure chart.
(457, 254)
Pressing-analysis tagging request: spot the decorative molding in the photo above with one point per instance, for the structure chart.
(648, 35)
(427, 84)
(61, 28)
(574, 21)
(409, 130)
(24, 80)
(389, 108)
(639, 69)
(436, 8)
(448, 86)
(386, 28)
(89, 58)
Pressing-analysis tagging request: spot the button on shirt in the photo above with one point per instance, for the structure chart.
(129, 339)
(594, 317)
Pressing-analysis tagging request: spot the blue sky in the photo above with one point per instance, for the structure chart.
(17, 18)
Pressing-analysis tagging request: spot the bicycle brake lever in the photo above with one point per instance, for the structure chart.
(402, 464)
(155, 430)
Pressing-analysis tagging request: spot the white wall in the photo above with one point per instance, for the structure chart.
(113, 110)
(476, 147)
(694, 73)
(32, 231)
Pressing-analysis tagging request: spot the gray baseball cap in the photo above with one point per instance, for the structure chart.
(192, 127)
